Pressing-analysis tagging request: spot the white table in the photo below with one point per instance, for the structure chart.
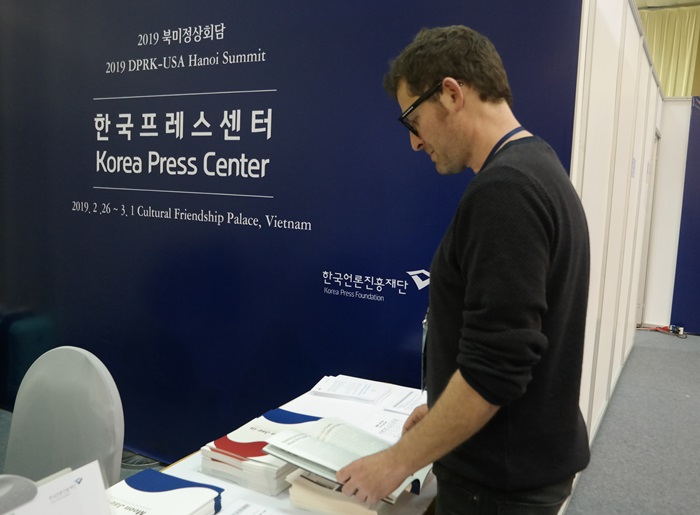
(189, 468)
(384, 417)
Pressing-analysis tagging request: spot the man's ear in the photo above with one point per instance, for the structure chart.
(453, 93)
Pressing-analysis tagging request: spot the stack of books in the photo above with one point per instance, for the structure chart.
(239, 456)
(323, 447)
(311, 492)
(285, 449)
(151, 492)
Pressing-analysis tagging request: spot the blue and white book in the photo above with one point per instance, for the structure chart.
(151, 492)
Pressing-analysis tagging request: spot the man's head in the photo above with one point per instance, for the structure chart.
(457, 52)
(454, 96)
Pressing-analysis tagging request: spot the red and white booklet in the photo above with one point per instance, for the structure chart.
(243, 447)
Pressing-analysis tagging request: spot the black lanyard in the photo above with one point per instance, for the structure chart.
(500, 142)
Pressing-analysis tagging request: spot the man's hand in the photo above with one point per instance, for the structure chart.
(372, 478)
(415, 417)
(458, 414)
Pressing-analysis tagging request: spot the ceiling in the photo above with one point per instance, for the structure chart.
(648, 4)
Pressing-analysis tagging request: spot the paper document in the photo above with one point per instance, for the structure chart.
(246, 508)
(383, 424)
(406, 404)
(346, 387)
(77, 492)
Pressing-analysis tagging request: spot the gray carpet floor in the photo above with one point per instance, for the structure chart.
(646, 454)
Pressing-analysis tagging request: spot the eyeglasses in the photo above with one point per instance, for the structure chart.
(425, 96)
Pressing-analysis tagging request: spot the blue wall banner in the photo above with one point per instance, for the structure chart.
(686, 291)
(217, 200)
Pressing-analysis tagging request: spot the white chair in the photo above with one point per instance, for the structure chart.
(68, 412)
(15, 491)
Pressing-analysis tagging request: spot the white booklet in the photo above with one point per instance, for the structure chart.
(77, 492)
(326, 446)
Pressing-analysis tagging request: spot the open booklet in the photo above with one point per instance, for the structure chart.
(325, 446)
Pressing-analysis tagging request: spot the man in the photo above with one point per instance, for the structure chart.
(508, 297)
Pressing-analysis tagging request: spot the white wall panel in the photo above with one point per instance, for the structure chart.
(599, 106)
(643, 142)
(578, 160)
(653, 128)
(627, 169)
(665, 225)
(598, 191)
(613, 137)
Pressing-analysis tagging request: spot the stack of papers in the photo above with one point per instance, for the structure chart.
(151, 492)
(239, 456)
(351, 388)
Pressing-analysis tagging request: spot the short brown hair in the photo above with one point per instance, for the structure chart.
(456, 51)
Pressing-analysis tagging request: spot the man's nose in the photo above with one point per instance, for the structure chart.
(416, 142)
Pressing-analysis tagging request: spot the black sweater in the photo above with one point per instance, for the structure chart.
(508, 297)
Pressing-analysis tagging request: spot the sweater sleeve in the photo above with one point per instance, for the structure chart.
(503, 233)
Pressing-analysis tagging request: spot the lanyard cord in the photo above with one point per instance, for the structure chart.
(497, 146)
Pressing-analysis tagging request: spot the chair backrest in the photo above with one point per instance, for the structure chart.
(15, 491)
(68, 412)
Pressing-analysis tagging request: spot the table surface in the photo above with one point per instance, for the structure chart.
(234, 495)
(383, 417)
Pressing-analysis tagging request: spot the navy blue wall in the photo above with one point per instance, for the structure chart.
(205, 326)
(686, 293)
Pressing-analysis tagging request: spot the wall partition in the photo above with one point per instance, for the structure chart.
(686, 294)
(617, 117)
(667, 213)
(217, 199)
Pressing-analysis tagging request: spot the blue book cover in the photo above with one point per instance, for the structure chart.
(157, 493)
